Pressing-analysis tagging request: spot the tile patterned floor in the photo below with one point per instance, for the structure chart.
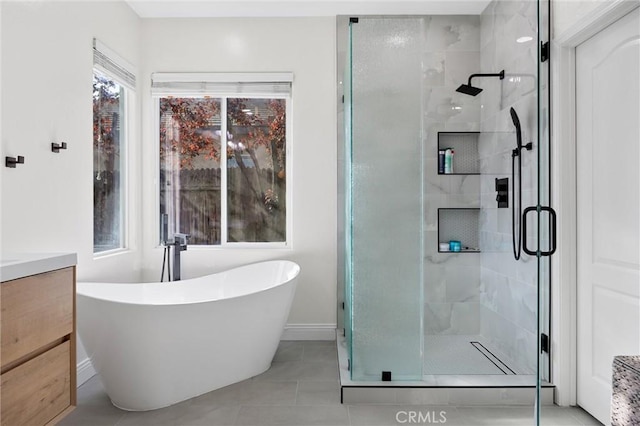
(301, 389)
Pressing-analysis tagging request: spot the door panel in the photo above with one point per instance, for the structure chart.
(608, 154)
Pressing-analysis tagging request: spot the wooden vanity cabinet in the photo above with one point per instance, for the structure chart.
(38, 353)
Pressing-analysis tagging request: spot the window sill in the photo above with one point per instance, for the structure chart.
(242, 246)
(111, 253)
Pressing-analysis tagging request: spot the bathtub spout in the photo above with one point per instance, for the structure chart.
(179, 245)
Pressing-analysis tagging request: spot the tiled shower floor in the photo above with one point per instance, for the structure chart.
(466, 355)
(452, 361)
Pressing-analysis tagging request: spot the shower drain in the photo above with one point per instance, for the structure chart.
(494, 359)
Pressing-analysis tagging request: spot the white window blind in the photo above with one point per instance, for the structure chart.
(221, 84)
(109, 62)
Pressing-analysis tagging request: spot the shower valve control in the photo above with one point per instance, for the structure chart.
(502, 189)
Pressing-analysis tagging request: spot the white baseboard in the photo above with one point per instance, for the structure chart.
(309, 332)
(85, 371)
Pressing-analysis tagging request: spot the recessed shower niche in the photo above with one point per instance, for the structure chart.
(461, 225)
(466, 160)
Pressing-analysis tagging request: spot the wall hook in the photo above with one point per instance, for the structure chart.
(56, 147)
(12, 161)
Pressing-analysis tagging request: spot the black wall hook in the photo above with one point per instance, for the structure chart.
(12, 161)
(56, 147)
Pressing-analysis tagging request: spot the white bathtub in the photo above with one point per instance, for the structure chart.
(157, 344)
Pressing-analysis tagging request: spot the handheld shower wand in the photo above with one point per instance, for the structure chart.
(516, 122)
(517, 241)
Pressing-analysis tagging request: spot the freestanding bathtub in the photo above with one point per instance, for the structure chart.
(157, 344)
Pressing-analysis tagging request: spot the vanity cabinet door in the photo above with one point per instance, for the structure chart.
(36, 311)
(37, 391)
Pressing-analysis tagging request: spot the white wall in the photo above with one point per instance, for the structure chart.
(306, 47)
(567, 12)
(47, 62)
(46, 76)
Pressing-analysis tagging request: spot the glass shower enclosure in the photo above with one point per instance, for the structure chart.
(445, 270)
(385, 203)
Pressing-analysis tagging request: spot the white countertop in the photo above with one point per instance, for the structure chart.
(19, 265)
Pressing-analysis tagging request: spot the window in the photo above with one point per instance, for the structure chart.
(111, 88)
(223, 158)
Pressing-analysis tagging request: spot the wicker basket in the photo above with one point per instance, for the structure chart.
(625, 398)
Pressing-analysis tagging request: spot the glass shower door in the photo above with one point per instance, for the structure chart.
(546, 231)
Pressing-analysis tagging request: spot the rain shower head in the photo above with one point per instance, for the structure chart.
(468, 89)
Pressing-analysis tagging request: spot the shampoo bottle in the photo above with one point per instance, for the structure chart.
(448, 161)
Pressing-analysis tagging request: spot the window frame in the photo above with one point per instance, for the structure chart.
(126, 125)
(224, 243)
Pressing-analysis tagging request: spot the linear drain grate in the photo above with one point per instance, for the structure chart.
(494, 359)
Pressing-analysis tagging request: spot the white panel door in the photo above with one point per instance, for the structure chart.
(608, 160)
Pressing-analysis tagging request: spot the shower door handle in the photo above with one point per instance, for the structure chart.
(552, 230)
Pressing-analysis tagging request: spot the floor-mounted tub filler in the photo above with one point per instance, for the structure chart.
(156, 344)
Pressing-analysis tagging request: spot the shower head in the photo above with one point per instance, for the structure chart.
(515, 118)
(468, 89)
(516, 123)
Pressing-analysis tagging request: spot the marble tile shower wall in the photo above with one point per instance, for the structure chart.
(451, 281)
(507, 287)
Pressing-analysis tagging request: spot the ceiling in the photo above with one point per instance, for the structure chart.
(298, 8)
